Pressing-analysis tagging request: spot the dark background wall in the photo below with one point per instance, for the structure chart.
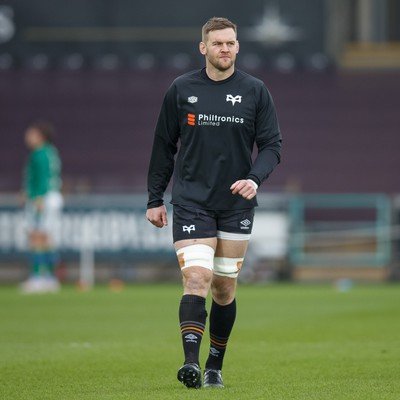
(341, 131)
(128, 28)
(99, 69)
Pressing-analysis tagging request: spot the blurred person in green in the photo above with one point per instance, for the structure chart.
(43, 204)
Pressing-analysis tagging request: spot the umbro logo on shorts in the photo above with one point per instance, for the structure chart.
(245, 224)
(188, 229)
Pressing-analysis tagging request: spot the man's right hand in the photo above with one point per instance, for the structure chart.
(157, 216)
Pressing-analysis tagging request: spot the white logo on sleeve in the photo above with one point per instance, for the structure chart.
(193, 99)
(233, 99)
(189, 229)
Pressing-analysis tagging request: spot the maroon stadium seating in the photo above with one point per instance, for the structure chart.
(341, 129)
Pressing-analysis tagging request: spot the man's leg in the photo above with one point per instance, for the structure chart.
(43, 248)
(36, 281)
(44, 257)
(196, 262)
(38, 254)
(50, 225)
(228, 262)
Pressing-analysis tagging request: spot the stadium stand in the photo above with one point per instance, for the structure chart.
(106, 120)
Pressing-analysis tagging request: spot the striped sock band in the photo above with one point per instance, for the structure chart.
(222, 319)
(192, 316)
(217, 346)
(192, 327)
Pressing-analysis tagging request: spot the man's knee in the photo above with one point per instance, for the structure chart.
(196, 262)
(197, 280)
(226, 271)
(223, 289)
(228, 267)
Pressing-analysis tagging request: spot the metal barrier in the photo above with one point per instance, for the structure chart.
(105, 227)
(102, 227)
(362, 239)
(107, 224)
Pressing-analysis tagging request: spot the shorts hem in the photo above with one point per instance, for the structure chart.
(233, 236)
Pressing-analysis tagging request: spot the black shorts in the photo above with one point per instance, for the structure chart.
(195, 223)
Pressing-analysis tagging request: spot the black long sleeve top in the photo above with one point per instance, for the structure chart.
(217, 124)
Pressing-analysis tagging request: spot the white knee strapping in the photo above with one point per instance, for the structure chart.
(229, 267)
(196, 255)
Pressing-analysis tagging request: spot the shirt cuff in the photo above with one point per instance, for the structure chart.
(155, 204)
(253, 183)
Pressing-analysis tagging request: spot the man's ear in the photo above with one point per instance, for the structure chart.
(202, 48)
(237, 46)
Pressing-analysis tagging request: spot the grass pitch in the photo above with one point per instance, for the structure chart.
(289, 342)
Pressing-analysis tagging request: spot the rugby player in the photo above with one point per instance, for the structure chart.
(43, 206)
(217, 115)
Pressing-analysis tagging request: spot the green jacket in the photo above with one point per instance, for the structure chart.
(42, 172)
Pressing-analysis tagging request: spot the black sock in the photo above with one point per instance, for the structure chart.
(222, 319)
(192, 317)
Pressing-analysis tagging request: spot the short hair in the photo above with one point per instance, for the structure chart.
(216, 24)
(45, 128)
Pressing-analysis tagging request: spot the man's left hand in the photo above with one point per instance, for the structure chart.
(246, 188)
